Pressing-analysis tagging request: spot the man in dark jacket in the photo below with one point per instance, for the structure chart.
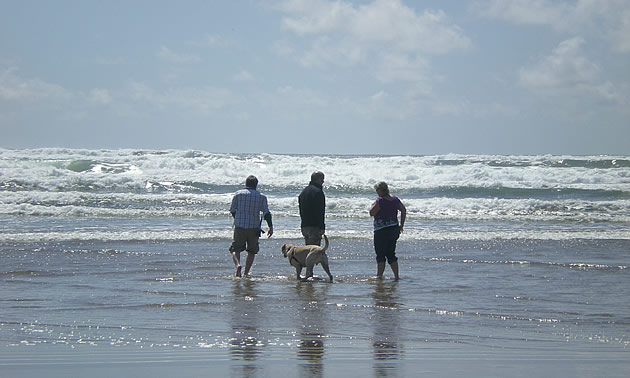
(312, 210)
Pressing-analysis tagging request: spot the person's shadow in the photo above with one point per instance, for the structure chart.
(311, 348)
(386, 343)
(246, 342)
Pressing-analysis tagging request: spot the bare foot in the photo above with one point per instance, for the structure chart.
(238, 271)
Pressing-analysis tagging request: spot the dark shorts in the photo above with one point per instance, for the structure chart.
(312, 235)
(385, 244)
(245, 239)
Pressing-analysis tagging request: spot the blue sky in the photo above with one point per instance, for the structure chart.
(315, 76)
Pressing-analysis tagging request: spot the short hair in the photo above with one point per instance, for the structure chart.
(251, 181)
(317, 175)
(382, 187)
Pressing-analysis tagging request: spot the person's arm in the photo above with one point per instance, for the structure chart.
(233, 207)
(268, 220)
(403, 214)
(322, 209)
(375, 208)
(267, 216)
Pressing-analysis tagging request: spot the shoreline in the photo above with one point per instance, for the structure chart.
(499, 308)
(440, 360)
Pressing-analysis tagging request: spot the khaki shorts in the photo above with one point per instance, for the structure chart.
(312, 235)
(245, 239)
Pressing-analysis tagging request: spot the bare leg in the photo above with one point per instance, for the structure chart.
(394, 267)
(249, 262)
(380, 269)
(236, 257)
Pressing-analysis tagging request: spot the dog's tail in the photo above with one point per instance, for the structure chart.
(326, 245)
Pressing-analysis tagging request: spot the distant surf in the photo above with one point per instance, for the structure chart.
(471, 197)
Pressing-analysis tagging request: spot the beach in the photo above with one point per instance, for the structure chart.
(175, 309)
(113, 263)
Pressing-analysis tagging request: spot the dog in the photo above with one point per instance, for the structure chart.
(307, 256)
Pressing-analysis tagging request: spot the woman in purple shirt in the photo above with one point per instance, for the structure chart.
(386, 228)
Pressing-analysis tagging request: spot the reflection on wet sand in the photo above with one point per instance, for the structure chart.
(246, 315)
(387, 348)
(311, 347)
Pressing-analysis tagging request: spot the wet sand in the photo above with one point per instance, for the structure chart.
(499, 309)
(420, 360)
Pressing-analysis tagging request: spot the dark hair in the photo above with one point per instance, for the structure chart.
(317, 175)
(251, 182)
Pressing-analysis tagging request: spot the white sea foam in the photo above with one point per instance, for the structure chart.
(58, 168)
(225, 233)
(587, 195)
(131, 205)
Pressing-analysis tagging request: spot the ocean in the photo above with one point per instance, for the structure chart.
(116, 261)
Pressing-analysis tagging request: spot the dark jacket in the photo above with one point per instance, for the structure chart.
(312, 206)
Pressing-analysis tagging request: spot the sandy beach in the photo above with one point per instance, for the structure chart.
(155, 309)
(442, 361)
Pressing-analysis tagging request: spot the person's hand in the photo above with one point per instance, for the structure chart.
(269, 232)
(401, 229)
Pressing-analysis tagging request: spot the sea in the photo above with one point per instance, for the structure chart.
(116, 262)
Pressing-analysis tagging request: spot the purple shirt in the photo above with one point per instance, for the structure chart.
(388, 213)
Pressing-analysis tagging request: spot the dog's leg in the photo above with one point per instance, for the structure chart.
(298, 271)
(311, 258)
(309, 271)
(325, 266)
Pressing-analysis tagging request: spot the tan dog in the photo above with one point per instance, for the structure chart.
(307, 256)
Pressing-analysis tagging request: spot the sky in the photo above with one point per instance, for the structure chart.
(510, 77)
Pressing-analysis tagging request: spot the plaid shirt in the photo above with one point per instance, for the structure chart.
(246, 207)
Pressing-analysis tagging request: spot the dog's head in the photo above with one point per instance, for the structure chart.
(286, 248)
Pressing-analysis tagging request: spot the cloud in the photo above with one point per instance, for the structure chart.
(302, 97)
(211, 40)
(528, 12)
(373, 34)
(100, 96)
(621, 35)
(565, 67)
(608, 19)
(382, 22)
(315, 16)
(40, 94)
(167, 55)
(391, 23)
(283, 48)
(13, 87)
(401, 67)
(325, 52)
(380, 96)
(567, 71)
(243, 76)
(111, 61)
(203, 100)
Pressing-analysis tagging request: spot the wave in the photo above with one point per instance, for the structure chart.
(591, 162)
(127, 170)
(576, 265)
(293, 233)
(597, 208)
(583, 193)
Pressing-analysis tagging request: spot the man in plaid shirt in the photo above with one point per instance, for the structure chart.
(247, 204)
